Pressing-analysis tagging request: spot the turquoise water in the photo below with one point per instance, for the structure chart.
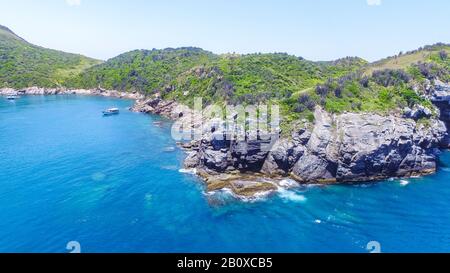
(113, 185)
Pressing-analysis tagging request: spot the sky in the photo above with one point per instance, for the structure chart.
(313, 29)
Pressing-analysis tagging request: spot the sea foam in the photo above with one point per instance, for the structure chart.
(291, 196)
(189, 171)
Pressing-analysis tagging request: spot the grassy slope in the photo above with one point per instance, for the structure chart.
(404, 61)
(390, 82)
(23, 64)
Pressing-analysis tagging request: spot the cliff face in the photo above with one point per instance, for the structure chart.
(344, 148)
(349, 147)
(440, 96)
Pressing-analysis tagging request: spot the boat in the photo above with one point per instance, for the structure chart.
(12, 97)
(111, 111)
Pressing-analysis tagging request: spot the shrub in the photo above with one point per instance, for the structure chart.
(431, 71)
(306, 100)
(391, 77)
(322, 90)
(385, 95)
(364, 81)
(411, 97)
(338, 92)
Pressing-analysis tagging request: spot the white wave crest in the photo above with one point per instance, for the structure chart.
(291, 196)
(288, 183)
(189, 171)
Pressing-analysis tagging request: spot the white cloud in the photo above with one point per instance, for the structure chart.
(373, 2)
(73, 2)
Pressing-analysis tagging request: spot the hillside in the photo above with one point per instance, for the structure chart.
(195, 71)
(405, 60)
(388, 85)
(185, 73)
(349, 84)
(298, 85)
(23, 64)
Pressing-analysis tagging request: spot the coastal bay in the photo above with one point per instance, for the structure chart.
(110, 184)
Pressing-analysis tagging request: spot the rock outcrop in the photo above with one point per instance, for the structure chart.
(350, 147)
(439, 94)
(344, 148)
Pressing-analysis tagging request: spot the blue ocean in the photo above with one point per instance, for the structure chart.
(113, 184)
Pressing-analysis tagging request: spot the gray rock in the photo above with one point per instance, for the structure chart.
(319, 162)
(374, 147)
(283, 155)
(343, 148)
(417, 113)
(214, 160)
(191, 161)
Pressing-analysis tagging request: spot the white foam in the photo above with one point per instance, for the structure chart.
(404, 183)
(318, 221)
(188, 171)
(288, 183)
(260, 196)
(291, 196)
(310, 186)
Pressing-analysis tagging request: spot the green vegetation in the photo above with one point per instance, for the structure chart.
(405, 60)
(24, 65)
(185, 73)
(297, 85)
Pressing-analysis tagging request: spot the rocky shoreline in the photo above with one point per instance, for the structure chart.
(37, 91)
(345, 148)
(350, 147)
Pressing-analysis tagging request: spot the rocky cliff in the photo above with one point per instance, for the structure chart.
(343, 148)
(350, 147)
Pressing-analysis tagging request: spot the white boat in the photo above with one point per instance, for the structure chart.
(12, 97)
(111, 111)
